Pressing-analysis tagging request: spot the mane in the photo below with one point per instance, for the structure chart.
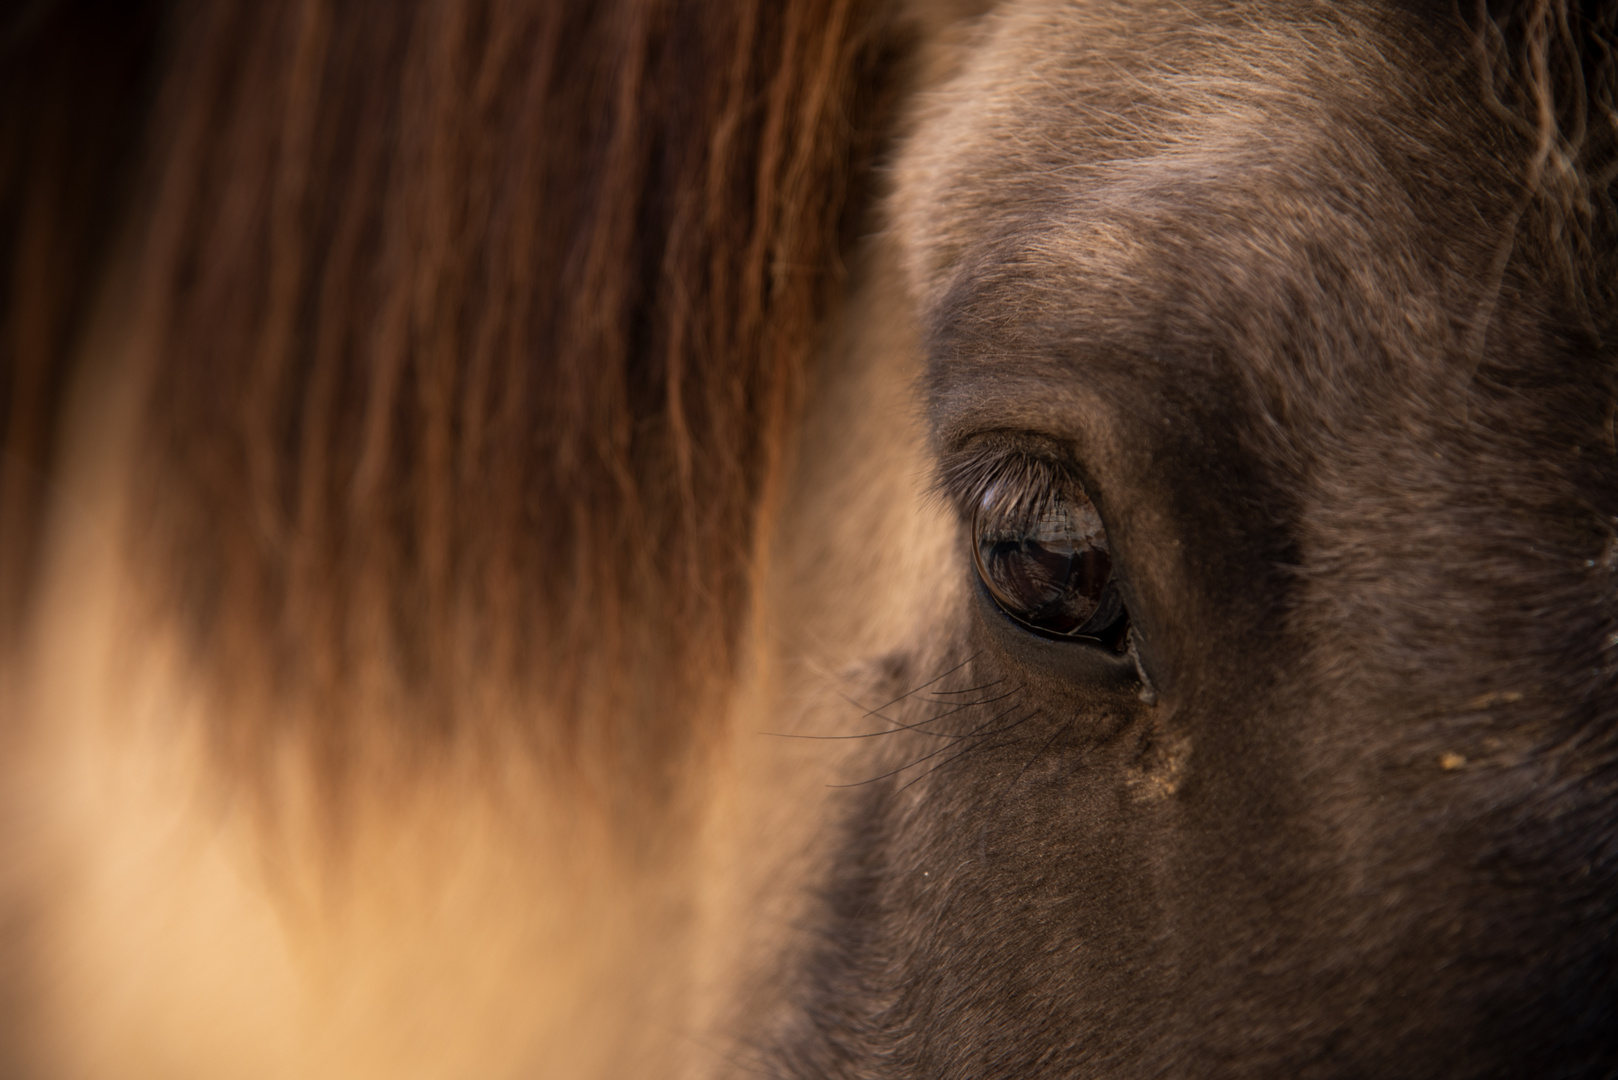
(72, 77)
(477, 331)
(1549, 73)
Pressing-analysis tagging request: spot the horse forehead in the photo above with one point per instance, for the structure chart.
(1280, 205)
(1092, 127)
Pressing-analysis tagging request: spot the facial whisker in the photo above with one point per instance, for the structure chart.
(898, 726)
(968, 690)
(982, 731)
(970, 749)
(962, 707)
(915, 689)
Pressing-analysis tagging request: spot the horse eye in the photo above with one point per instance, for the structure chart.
(1048, 565)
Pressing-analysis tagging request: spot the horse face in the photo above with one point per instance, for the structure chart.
(1204, 496)
(1333, 798)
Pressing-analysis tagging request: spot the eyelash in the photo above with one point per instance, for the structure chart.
(1030, 482)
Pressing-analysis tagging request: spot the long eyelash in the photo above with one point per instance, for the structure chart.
(1018, 483)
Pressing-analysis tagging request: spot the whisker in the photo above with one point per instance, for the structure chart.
(915, 689)
(978, 732)
(962, 707)
(968, 690)
(968, 750)
(898, 726)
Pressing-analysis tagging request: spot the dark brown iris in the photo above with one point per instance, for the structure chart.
(1047, 563)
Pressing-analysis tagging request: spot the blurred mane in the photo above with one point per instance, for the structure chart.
(477, 332)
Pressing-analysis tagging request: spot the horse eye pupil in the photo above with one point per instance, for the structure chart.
(1050, 569)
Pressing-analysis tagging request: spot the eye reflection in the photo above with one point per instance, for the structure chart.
(1047, 563)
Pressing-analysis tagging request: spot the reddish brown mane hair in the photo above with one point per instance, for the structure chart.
(478, 329)
(71, 84)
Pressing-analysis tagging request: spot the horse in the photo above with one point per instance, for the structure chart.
(810, 539)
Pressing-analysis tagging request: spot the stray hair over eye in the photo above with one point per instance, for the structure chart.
(1044, 557)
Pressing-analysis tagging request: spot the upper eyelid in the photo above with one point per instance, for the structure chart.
(1025, 468)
